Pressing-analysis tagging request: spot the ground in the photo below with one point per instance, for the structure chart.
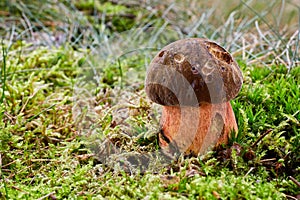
(72, 84)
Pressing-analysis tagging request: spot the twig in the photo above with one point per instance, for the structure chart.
(16, 188)
(35, 116)
(261, 137)
(268, 160)
(48, 195)
(9, 116)
(250, 170)
(41, 160)
(295, 181)
(18, 172)
(8, 164)
(291, 197)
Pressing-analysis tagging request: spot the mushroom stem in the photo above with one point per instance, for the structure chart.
(193, 130)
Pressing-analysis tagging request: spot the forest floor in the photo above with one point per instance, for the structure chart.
(75, 122)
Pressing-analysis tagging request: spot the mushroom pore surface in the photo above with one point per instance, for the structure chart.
(190, 71)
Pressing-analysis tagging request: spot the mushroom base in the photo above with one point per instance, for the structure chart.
(194, 130)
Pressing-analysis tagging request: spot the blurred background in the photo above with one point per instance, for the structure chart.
(259, 31)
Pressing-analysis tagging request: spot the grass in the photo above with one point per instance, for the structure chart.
(62, 99)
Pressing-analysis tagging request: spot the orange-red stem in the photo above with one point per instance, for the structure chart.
(194, 130)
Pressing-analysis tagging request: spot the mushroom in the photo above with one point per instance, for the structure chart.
(194, 79)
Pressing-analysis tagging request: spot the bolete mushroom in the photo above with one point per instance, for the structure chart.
(194, 79)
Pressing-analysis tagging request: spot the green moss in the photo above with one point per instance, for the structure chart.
(43, 152)
(38, 131)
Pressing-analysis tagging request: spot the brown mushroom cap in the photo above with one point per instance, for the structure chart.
(190, 71)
